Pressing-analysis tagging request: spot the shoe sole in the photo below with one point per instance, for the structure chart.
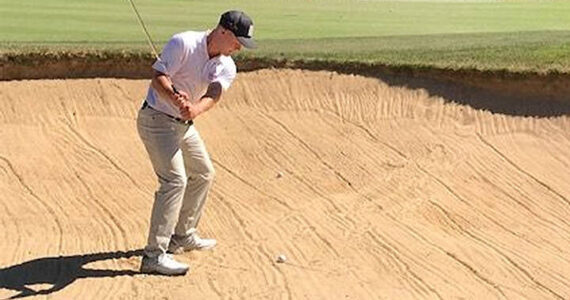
(155, 272)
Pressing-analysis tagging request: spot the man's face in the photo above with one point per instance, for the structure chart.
(229, 44)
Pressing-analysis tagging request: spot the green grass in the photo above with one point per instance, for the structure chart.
(540, 51)
(513, 35)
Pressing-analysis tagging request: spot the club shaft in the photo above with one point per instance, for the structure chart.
(139, 18)
(149, 40)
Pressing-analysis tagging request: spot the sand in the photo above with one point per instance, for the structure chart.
(372, 191)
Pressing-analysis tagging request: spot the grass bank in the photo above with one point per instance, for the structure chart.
(521, 36)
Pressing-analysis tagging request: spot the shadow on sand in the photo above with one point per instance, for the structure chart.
(515, 97)
(500, 92)
(59, 272)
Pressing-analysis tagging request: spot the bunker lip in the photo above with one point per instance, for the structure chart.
(499, 91)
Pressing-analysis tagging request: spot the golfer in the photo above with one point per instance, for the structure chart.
(189, 77)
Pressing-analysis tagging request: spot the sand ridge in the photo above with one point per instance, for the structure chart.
(386, 192)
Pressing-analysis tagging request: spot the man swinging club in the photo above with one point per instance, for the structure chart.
(190, 75)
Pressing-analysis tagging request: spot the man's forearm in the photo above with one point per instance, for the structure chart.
(162, 84)
(205, 104)
(210, 98)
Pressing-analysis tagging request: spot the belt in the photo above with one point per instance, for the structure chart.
(181, 121)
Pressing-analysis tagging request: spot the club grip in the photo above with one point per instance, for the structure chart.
(174, 89)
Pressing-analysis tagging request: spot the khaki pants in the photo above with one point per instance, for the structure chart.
(185, 174)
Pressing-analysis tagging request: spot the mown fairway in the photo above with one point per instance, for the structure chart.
(521, 35)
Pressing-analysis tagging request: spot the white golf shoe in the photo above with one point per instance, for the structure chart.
(192, 242)
(163, 264)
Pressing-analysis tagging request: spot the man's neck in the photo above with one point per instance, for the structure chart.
(212, 52)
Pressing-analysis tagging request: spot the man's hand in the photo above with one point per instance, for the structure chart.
(189, 111)
(179, 99)
(163, 85)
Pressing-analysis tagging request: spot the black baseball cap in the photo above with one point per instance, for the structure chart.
(241, 25)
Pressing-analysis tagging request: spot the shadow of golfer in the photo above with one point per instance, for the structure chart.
(59, 272)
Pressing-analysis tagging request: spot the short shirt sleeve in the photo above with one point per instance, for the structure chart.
(171, 57)
(222, 70)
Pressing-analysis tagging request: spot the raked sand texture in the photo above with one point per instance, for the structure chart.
(371, 191)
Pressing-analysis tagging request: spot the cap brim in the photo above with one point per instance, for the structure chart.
(247, 42)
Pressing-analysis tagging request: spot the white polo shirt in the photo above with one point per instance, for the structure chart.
(185, 60)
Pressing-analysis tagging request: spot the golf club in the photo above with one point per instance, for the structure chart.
(148, 38)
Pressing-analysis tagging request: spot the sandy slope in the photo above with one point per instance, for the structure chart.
(386, 193)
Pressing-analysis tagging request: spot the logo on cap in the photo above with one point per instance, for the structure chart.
(250, 31)
(241, 25)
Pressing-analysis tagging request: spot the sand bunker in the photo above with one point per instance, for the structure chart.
(385, 193)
